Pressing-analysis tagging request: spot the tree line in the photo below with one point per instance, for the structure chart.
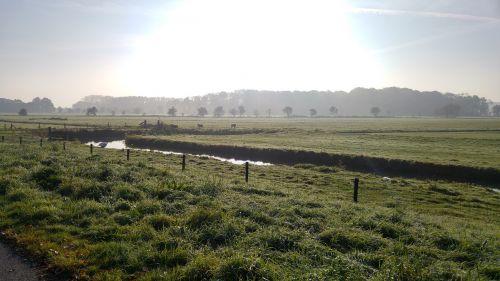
(358, 102)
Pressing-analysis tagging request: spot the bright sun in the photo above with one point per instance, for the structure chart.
(224, 45)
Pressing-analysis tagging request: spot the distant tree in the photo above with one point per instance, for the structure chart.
(113, 113)
(256, 113)
(375, 111)
(496, 110)
(137, 110)
(219, 111)
(241, 110)
(59, 109)
(202, 111)
(268, 111)
(313, 112)
(124, 112)
(449, 110)
(23, 112)
(288, 110)
(333, 110)
(172, 111)
(233, 112)
(92, 111)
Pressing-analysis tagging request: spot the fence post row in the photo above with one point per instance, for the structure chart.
(246, 171)
(355, 195)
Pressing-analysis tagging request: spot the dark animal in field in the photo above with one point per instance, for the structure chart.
(200, 125)
(233, 126)
(103, 144)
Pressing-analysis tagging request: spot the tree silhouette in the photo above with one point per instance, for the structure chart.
(268, 111)
(233, 112)
(23, 112)
(172, 111)
(92, 111)
(496, 110)
(241, 110)
(288, 110)
(313, 112)
(218, 111)
(202, 111)
(375, 111)
(256, 113)
(333, 110)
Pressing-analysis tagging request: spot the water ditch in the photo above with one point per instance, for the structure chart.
(120, 144)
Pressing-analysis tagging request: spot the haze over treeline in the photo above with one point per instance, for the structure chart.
(358, 102)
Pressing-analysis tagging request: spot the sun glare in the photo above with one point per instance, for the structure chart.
(224, 45)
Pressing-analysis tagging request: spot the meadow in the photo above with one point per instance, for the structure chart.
(471, 142)
(101, 217)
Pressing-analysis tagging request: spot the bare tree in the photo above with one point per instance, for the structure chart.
(241, 110)
(172, 111)
(375, 111)
(202, 111)
(313, 112)
(219, 111)
(288, 110)
(233, 112)
(333, 110)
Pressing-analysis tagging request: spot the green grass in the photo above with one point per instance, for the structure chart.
(476, 149)
(104, 218)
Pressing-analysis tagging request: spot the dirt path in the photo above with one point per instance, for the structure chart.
(15, 268)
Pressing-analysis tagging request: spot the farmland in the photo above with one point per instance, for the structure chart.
(101, 217)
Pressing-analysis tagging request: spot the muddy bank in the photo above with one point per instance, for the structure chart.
(380, 166)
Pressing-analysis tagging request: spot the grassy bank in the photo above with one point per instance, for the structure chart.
(282, 155)
(101, 217)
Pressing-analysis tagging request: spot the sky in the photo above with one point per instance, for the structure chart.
(67, 49)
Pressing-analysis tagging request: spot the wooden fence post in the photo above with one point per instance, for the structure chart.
(91, 149)
(41, 142)
(49, 133)
(355, 195)
(128, 154)
(246, 171)
(3, 138)
(64, 145)
(183, 162)
(20, 140)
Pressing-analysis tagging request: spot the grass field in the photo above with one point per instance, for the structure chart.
(101, 217)
(457, 141)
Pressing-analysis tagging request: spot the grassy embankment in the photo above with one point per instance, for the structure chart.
(105, 218)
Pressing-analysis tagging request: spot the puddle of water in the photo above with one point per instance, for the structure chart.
(120, 144)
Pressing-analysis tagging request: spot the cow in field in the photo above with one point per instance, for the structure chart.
(233, 126)
(200, 125)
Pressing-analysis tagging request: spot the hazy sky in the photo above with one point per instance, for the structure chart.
(66, 49)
